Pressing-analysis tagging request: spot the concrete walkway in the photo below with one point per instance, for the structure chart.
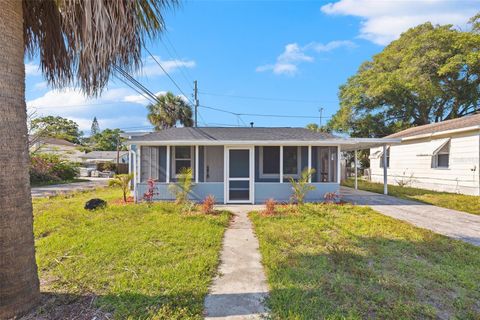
(452, 223)
(54, 189)
(240, 289)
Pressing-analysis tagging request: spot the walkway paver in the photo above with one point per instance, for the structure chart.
(51, 190)
(452, 223)
(241, 287)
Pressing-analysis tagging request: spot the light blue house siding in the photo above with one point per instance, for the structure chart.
(151, 163)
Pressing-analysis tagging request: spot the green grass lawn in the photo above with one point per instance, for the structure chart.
(470, 204)
(348, 262)
(134, 261)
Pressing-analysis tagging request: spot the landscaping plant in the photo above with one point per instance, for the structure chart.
(182, 188)
(208, 203)
(122, 181)
(332, 197)
(50, 167)
(270, 207)
(301, 187)
(151, 191)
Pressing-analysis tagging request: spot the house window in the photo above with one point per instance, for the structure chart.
(291, 161)
(270, 161)
(388, 159)
(442, 158)
(182, 159)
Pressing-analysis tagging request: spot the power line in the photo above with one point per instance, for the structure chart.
(175, 60)
(265, 98)
(176, 52)
(260, 114)
(168, 75)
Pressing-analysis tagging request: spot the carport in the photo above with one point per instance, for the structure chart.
(357, 144)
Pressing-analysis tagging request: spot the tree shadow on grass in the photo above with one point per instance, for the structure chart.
(377, 277)
(69, 306)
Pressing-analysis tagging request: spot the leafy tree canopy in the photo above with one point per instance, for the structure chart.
(107, 140)
(169, 110)
(316, 128)
(56, 127)
(431, 73)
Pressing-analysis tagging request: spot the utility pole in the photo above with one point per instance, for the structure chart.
(195, 97)
(321, 113)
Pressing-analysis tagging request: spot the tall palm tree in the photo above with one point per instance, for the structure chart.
(169, 110)
(78, 42)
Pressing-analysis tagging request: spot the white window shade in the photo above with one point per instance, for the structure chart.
(433, 147)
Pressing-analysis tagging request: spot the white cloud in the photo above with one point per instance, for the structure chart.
(293, 55)
(287, 61)
(384, 21)
(140, 99)
(32, 69)
(40, 85)
(125, 123)
(332, 45)
(151, 68)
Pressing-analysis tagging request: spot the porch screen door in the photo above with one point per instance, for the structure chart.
(239, 175)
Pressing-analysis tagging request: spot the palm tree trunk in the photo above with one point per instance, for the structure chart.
(19, 287)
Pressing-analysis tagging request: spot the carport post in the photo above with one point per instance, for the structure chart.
(385, 186)
(356, 170)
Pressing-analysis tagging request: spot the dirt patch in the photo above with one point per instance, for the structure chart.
(55, 306)
(120, 202)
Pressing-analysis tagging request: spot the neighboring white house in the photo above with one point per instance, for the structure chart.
(442, 156)
(63, 148)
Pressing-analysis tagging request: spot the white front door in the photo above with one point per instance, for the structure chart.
(239, 174)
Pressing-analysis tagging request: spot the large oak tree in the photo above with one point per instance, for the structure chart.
(430, 74)
(78, 42)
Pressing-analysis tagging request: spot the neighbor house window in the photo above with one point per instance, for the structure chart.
(442, 158)
(182, 158)
(291, 161)
(388, 159)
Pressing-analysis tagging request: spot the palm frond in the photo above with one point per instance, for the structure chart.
(79, 41)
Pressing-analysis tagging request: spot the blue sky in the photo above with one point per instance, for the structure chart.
(285, 58)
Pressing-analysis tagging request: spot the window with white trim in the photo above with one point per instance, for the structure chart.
(183, 158)
(442, 158)
(270, 162)
(388, 158)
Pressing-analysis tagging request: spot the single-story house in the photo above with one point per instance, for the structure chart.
(63, 148)
(240, 165)
(95, 157)
(442, 156)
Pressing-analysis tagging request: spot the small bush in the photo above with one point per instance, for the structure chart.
(270, 205)
(50, 167)
(207, 204)
(183, 186)
(301, 187)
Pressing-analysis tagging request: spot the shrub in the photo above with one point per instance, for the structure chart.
(122, 181)
(151, 191)
(207, 204)
(50, 167)
(182, 188)
(270, 205)
(302, 186)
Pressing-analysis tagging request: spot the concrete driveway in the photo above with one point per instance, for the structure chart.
(452, 223)
(54, 189)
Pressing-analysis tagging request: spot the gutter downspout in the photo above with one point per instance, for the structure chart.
(134, 175)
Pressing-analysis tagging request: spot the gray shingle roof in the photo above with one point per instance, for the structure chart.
(463, 122)
(107, 155)
(234, 134)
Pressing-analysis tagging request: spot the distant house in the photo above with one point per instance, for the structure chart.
(63, 148)
(240, 165)
(96, 157)
(441, 156)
